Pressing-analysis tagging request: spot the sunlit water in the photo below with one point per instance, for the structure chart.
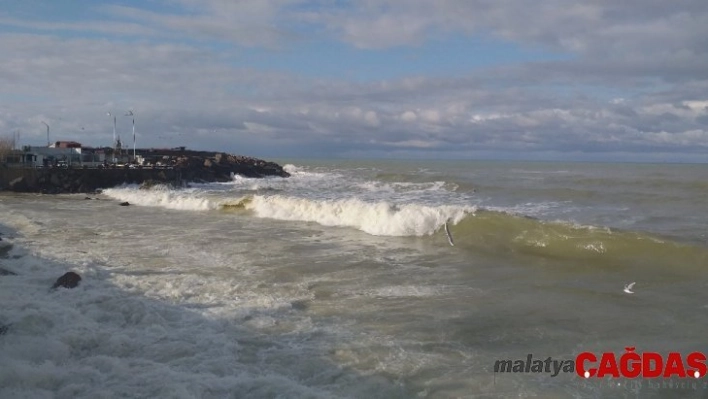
(340, 281)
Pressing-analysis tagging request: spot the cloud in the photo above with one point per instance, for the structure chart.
(177, 67)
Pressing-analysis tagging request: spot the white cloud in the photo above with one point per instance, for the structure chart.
(635, 78)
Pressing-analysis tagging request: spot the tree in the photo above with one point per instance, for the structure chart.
(7, 144)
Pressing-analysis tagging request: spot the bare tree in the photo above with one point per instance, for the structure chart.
(7, 144)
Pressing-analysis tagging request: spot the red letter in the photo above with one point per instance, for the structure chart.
(608, 365)
(580, 364)
(674, 365)
(697, 361)
(629, 362)
(647, 359)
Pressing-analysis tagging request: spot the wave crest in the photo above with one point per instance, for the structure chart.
(379, 218)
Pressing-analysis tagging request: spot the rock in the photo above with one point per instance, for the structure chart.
(4, 328)
(5, 272)
(87, 198)
(219, 157)
(68, 280)
(208, 163)
(55, 180)
(126, 203)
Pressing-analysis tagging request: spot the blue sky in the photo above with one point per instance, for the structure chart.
(510, 79)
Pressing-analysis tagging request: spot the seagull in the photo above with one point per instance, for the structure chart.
(449, 236)
(628, 288)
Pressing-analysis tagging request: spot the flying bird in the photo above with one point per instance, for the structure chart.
(628, 288)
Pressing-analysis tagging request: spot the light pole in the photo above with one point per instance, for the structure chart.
(45, 124)
(114, 127)
(130, 113)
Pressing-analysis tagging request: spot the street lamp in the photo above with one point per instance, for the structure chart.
(130, 113)
(45, 124)
(114, 127)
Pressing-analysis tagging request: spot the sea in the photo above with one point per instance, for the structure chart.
(343, 282)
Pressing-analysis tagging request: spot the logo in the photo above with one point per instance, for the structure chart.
(630, 364)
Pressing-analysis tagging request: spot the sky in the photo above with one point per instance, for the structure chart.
(593, 80)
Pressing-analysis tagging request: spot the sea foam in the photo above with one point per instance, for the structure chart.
(380, 218)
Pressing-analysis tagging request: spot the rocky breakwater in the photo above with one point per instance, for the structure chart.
(174, 169)
(219, 167)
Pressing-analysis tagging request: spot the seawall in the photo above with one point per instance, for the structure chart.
(60, 180)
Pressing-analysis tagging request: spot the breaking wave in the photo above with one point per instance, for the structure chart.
(380, 218)
(490, 229)
(376, 218)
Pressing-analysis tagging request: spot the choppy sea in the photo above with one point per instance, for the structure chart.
(340, 282)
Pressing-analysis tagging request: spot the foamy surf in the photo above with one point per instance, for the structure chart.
(380, 219)
(186, 200)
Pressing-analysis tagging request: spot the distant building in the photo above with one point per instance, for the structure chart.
(65, 144)
(62, 153)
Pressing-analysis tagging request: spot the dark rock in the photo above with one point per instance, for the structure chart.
(126, 203)
(4, 328)
(87, 198)
(5, 272)
(68, 280)
(55, 180)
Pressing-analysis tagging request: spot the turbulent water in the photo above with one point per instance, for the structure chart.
(340, 282)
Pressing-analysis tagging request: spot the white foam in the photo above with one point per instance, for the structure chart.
(595, 247)
(405, 291)
(192, 200)
(136, 335)
(379, 218)
(299, 171)
(18, 221)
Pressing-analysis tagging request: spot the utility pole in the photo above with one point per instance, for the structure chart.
(114, 127)
(48, 142)
(130, 113)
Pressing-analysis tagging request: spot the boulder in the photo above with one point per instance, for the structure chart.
(68, 280)
(55, 180)
(126, 203)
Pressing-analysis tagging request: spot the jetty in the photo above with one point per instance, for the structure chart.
(88, 173)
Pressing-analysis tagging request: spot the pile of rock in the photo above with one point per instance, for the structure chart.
(221, 167)
(187, 166)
